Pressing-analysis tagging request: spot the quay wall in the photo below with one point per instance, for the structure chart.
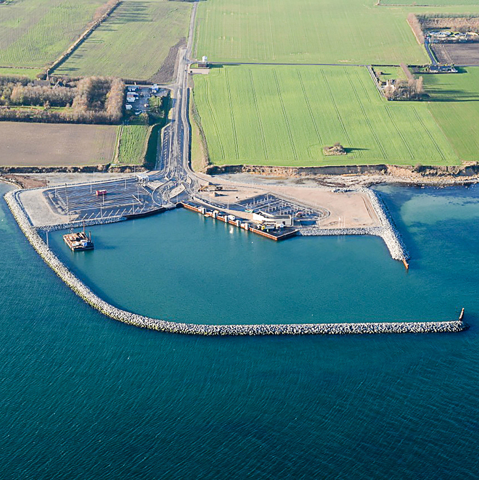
(216, 330)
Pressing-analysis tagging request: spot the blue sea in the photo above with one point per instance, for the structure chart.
(85, 397)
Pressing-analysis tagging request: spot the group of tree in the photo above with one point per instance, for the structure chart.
(412, 89)
(104, 9)
(456, 23)
(88, 100)
(416, 27)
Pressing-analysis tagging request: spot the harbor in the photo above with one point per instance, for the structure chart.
(144, 321)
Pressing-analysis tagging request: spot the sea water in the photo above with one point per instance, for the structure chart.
(83, 396)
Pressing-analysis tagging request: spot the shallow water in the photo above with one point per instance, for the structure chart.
(83, 396)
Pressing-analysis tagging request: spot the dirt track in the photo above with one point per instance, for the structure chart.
(40, 144)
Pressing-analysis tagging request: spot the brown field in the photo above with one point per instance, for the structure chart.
(457, 53)
(40, 144)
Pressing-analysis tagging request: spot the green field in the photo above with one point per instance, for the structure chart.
(308, 31)
(286, 115)
(390, 73)
(132, 145)
(134, 42)
(34, 33)
(441, 3)
(455, 106)
(23, 72)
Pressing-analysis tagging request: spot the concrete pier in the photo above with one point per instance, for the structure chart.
(192, 329)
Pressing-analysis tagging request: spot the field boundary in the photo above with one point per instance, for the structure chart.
(413, 174)
(65, 55)
(195, 116)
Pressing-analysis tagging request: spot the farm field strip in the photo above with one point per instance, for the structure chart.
(132, 144)
(258, 116)
(233, 124)
(454, 103)
(292, 113)
(431, 3)
(336, 109)
(22, 72)
(133, 43)
(34, 33)
(308, 106)
(285, 117)
(212, 116)
(42, 144)
(366, 118)
(313, 31)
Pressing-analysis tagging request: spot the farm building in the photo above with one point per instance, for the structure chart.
(442, 69)
(204, 62)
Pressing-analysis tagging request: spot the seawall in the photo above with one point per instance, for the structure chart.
(215, 330)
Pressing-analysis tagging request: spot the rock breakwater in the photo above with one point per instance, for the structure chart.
(387, 231)
(212, 330)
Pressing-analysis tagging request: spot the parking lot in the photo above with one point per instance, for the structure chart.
(122, 198)
(138, 96)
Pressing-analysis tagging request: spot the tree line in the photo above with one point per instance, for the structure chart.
(457, 23)
(88, 100)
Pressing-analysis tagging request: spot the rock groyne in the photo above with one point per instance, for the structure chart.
(213, 330)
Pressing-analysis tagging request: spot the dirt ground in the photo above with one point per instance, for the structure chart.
(41, 144)
(167, 71)
(457, 53)
(348, 210)
(25, 181)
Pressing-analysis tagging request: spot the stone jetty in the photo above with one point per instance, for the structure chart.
(193, 329)
(387, 231)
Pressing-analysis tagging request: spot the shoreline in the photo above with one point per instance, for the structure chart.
(84, 292)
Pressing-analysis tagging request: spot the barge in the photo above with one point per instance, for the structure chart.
(78, 242)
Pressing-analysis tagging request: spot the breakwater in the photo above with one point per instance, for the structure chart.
(215, 330)
(387, 231)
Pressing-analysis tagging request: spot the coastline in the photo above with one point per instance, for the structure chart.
(78, 287)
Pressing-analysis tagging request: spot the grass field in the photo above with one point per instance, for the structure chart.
(40, 144)
(34, 33)
(23, 72)
(286, 115)
(134, 42)
(310, 31)
(131, 149)
(390, 73)
(441, 3)
(455, 106)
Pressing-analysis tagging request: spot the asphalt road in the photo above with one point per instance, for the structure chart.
(144, 192)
